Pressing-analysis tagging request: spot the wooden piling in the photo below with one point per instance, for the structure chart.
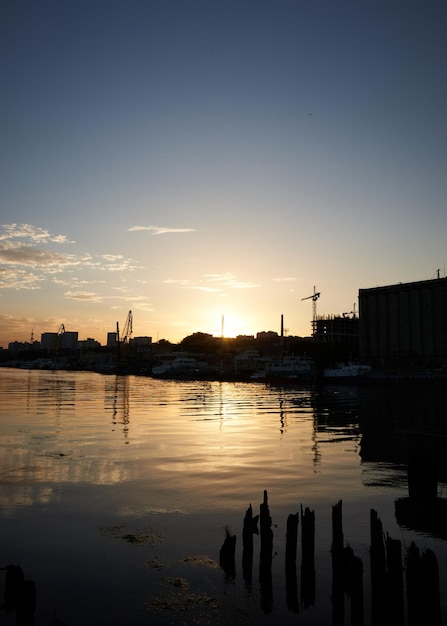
(266, 555)
(291, 538)
(415, 605)
(378, 570)
(337, 564)
(308, 557)
(227, 555)
(249, 529)
(291, 550)
(430, 586)
(356, 591)
(395, 587)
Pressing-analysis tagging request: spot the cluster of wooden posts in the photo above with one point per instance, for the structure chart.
(387, 570)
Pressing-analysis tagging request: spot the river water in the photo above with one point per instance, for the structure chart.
(116, 491)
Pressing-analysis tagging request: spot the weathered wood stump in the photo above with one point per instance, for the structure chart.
(337, 564)
(356, 590)
(227, 554)
(423, 596)
(430, 588)
(415, 604)
(291, 576)
(266, 555)
(308, 557)
(378, 570)
(395, 587)
(249, 529)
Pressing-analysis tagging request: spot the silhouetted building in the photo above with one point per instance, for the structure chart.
(404, 325)
(112, 340)
(68, 340)
(140, 342)
(15, 347)
(49, 341)
(53, 342)
(88, 344)
(337, 329)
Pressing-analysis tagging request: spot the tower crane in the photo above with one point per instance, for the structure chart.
(314, 297)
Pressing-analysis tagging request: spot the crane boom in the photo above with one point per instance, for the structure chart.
(314, 297)
(127, 332)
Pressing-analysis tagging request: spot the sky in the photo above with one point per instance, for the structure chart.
(207, 163)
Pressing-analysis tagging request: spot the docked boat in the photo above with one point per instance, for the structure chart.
(346, 371)
(180, 367)
(288, 369)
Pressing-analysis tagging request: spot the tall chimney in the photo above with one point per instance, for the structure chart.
(282, 325)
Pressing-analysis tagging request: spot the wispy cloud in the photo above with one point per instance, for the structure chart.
(183, 282)
(229, 280)
(24, 247)
(209, 289)
(161, 230)
(83, 295)
(285, 279)
(16, 253)
(31, 233)
(208, 283)
(12, 278)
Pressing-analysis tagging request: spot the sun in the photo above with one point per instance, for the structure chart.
(232, 326)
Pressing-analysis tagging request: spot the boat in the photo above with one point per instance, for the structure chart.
(288, 369)
(185, 367)
(346, 371)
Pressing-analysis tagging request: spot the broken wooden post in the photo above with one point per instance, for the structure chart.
(423, 596)
(337, 564)
(266, 555)
(291, 577)
(250, 528)
(415, 605)
(356, 590)
(395, 587)
(308, 557)
(227, 554)
(378, 569)
(291, 538)
(430, 586)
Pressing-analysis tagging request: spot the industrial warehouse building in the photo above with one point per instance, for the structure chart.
(404, 326)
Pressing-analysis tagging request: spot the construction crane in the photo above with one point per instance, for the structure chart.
(126, 334)
(314, 297)
(59, 338)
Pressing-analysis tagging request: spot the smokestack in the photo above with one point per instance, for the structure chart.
(282, 325)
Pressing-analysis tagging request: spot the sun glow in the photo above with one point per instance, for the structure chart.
(232, 326)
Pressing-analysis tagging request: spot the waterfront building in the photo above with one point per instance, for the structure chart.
(405, 325)
(337, 329)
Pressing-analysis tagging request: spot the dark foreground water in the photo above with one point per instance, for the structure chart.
(115, 491)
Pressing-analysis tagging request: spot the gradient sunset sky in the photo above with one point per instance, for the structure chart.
(193, 159)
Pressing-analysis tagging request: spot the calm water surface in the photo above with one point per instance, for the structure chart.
(115, 490)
